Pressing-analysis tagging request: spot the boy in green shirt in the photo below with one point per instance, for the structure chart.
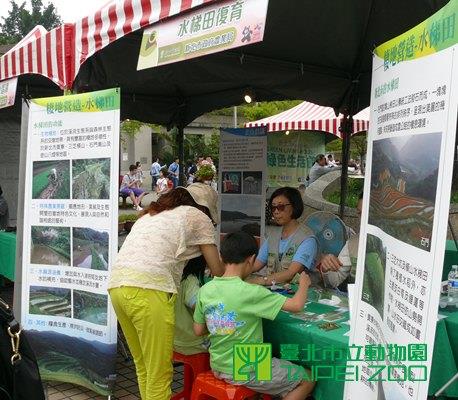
(231, 311)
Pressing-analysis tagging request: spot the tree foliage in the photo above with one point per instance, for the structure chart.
(21, 21)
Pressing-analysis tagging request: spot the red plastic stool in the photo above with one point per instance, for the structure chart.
(193, 365)
(206, 386)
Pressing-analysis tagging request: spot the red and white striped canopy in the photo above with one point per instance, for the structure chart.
(311, 117)
(59, 54)
(40, 52)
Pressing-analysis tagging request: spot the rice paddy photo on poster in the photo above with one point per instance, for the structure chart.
(241, 213)
(252, 182)
(50, 245)
(90, 307)
(404, 185)
(50, 301)
(91, 179)
(374, 273)
(87, 363)
(51, 179)
(90, 248)
(232, 182)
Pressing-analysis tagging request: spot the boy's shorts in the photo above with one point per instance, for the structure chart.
(280, 385)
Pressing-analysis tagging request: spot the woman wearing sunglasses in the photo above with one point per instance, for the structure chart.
(290, 248)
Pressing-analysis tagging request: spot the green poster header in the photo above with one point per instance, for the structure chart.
(436, 33)
(102, 100)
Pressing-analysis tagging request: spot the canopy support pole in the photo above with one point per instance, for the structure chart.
(346, 128)
(180, 142)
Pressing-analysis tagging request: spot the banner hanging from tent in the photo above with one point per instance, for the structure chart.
(70, 236)
(411, 144)
(211, 29)
(290, 157)
(242, 177)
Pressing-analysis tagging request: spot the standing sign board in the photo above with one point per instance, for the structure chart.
(242, 177)
(70, 236)
(8, 92)
(217, 27)
(411, 145)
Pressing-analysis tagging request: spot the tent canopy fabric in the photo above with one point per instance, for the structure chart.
(59, 53)
(315, 51)
(309, 116)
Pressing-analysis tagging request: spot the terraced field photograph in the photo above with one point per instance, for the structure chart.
(91, 179)
(404, 185)
(60, 357)
(90, 307)
(374, 273)
(50, 301)
(51, 179)
(50, 245)
(90, 249)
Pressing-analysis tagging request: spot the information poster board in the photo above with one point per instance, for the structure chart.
(70, 236)
(411, 145)
(290, 157)
(8, 92)
(243, 177)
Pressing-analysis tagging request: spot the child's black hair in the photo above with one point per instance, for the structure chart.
(237, 247)
(195, 266)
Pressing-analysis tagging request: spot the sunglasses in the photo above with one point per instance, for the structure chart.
(280, 207)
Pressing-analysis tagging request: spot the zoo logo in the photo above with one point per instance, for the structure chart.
(250, 358)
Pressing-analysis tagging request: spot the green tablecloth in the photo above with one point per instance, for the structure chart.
(7, 254)
(288, 330)
(451, 258)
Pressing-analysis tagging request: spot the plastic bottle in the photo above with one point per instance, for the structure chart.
(453, 285)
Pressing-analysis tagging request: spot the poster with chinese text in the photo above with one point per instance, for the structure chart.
(70, 236)
(290, 157)
(411, 144)
(242, 180)
(210, 29)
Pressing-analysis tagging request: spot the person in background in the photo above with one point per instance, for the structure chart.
(154, 172)
(4, 214)
(319, 168)
(129, 187)
(185, 341)
(290, 247)
(191, 171)
(199, 161)
(140, 177)
(162, 185)
(301, 189)
(174, 172)
(213, 183)
(146, 275)
(330, 161)
(231, 312)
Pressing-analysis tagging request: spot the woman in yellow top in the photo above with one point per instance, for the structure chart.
(147, 273)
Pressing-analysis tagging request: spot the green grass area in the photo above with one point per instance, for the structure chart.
(355, 187)
(40, 182)
(454, 198)
(63, 252)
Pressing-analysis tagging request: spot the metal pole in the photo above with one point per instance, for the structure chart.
(180, 142)
(235, 117)
(20, 212)
(346, 128)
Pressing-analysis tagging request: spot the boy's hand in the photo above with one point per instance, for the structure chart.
(304, 279)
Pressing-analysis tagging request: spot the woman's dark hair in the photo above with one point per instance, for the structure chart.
(195, 266)
(173, 199)
(132, 167)
(294, 197)
(137, 164)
